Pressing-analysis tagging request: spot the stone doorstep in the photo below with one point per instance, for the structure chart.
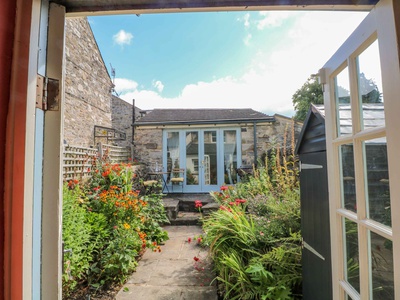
(186, 218)
(172, 208)
(210, 207)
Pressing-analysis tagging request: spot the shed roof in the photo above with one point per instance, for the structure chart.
(201, 116)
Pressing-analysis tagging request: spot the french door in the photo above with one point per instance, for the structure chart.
(208, 156)
(361, 90)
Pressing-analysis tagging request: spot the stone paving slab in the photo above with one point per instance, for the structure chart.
(173, 274)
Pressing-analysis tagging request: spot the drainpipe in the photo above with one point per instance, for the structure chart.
(255, 143)
(133, 121)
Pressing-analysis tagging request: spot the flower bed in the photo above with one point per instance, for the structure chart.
(106, 227)
(254, 237)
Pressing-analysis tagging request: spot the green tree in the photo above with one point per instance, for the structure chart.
(310, 92)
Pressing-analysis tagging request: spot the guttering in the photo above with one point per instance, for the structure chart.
(200, 122)
(255, 142)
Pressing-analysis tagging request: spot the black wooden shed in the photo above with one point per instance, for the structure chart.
(316, 256)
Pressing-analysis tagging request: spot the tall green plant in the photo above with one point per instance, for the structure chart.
(256, 244)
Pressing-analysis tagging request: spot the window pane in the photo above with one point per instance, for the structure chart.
(377, 185)
(342, 98)
(230, 157)
(210, 157)
(370, 87)
(351, 254)
(192, 155)
(381, 264)
(348, 181)
(172, 152)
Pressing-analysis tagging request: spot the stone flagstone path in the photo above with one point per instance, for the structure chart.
(173, 274)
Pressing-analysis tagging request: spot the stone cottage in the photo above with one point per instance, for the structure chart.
(208, 144)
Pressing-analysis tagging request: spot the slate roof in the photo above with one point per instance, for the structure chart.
(373, 116)
(201, 116)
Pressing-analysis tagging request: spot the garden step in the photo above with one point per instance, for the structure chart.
(171, 208)
(210, 207)
(189, 206)
(186, 218)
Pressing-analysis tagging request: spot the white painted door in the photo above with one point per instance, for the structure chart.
(361, 84)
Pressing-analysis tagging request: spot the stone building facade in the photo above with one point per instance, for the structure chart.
(148, 140)
(87, 85)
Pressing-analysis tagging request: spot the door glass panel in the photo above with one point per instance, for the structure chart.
(172, 152)
(210, 158)
(351, 254)
(381, 264)
(192, 158)
(370, 87)
(230, 157)
(348, 180)
(377, 181)
(342, 98)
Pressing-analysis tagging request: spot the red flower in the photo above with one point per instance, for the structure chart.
(240, 201)
(224, 188)
(189, 240)
(199, 240)
(196, 258)
(198, 204)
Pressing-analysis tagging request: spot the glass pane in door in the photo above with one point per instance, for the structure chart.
(377, 181)
(210, 158)
(343, 107)
(347, 177)
(370, 87)
(381, 264)
(230, 157)
(172, 153)
(351, 254)
(192, 158)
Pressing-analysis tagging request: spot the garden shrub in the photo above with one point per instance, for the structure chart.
(254, 237)
(107, 225)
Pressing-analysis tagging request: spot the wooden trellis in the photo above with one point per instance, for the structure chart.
(77, 160)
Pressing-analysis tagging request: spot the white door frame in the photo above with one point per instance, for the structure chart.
(380, 23)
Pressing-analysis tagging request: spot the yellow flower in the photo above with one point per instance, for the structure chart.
(127, 226)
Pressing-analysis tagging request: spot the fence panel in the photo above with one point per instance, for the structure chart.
(115, 154)
(77, 161)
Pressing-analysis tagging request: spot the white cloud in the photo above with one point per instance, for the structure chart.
(158, 85)
(245, 19)
(272, 77)
(273, 18)
(247, 39)
(122, 38)
(124, 85)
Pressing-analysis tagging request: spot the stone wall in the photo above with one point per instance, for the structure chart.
(269, 136)
(87, 85)
(148, 145)
(121, 116)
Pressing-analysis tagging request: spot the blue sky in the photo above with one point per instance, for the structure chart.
(219, 60)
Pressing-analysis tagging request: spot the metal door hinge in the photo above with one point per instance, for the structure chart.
(47, 93)
(303, 166)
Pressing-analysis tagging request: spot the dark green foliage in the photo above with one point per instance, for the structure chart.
(310, 92)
